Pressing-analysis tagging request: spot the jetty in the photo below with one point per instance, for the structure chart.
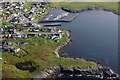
(61, 16)
(49, 17)
(52, 24)
(59, 20)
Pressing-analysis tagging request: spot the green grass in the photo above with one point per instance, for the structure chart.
(83, 5)
(5, 23)
(40, 52)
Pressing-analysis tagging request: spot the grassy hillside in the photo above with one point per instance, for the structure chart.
(83, 5)
(41, 54)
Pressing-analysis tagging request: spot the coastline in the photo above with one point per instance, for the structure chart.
(56, 72)
(88, 9)
(58, 52)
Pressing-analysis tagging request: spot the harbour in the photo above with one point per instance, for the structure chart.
(93, 36)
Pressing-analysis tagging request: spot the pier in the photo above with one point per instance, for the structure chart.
(59, 20)
(61, 16)
(52, 24)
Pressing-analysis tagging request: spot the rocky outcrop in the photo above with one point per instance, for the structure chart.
(58, 72)
(49, 73)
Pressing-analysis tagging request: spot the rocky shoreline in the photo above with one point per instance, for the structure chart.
(59, 53)
(56, 72)
(88, 9)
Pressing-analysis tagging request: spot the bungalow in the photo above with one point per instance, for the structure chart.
(9, 43)
(49, 30)
(9, 26)
(58, 35)
(59, 31)
(36, 30)
(28, 25)
(22, 43)
(24, 35)
(19, 35)
(53, 37)
(32, 19)
(17, 49)
(14, 49)
(42, 35)
(31, 35)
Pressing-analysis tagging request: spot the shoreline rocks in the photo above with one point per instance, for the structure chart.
(58, 72)
(88, 9)
(99, 64)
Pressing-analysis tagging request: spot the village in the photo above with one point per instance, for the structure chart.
(30, 49)
(18, 21)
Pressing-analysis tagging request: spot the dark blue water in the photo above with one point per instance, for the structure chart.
(94, 35)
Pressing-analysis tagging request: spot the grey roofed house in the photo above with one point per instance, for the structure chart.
(22, 43)
(9, 26)
(9, 43)
(25, 35)
(31, 35)
(19, 35)
(14, 49)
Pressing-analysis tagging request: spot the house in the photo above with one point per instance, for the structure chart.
(31, 35)
(32, 19)
(14, 49)
(59, 31)
(9, 43)
(49, 30)
(9, 26)
(36, 30)
(58, 35)
(19, 35)
(22, 43)
(42, 35)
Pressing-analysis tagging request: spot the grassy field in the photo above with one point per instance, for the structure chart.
(41, 52)
(83, 5)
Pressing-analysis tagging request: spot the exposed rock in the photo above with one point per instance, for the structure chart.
(58, 72)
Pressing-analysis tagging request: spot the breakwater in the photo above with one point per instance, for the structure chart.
(59, 20)
(52, 24)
